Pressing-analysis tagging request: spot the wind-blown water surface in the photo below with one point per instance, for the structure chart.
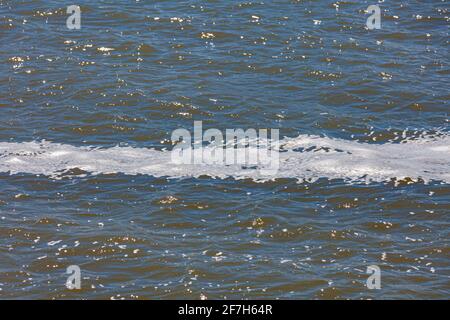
(85, 171)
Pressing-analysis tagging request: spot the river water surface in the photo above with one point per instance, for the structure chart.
(85, 171)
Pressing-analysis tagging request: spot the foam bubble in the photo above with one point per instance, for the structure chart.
(305, 157)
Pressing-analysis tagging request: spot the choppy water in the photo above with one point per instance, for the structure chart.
(85, 172)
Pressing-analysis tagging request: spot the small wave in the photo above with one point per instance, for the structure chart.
(306, 158)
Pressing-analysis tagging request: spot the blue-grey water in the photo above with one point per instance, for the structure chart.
(85, 129)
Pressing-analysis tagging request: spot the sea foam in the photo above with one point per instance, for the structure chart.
(306, 158)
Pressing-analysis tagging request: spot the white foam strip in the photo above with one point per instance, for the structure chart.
(305, 158)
